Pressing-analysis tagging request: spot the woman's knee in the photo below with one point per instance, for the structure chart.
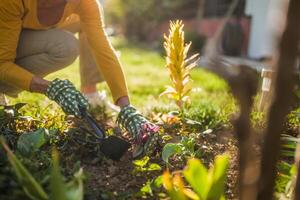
(66, 48)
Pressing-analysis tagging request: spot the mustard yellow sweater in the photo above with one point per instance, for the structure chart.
(18, 14)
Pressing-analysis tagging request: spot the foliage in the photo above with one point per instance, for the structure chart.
(139, 17)
(143, 165)
(288, 146)
(72, 190)
(286, 172)
(185, 148)
(30, 142)
(30, 186)
(206, 116)
(59, 190)
(171, 149)
(293, 121)
(24, 118)
(151, 185)
(178, 64)
(206, 184)
(286, 176)
(258, 119)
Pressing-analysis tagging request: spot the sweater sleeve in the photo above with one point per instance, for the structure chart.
(108, 63)
(10, 28)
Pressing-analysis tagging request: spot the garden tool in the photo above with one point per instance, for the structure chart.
(113, 147)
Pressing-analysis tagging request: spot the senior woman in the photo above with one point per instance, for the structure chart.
(34, 43)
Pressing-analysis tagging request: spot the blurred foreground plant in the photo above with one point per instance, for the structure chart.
(72, 190)
(178, 64)
(205, 184)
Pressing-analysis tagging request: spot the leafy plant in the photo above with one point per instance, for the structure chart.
(30, 186)
(286, 175)
(171, 149)
(293, 121)
(30, 142)
(206, 116)
(289, 145)
(73, 190)
(151, 185)
(132, 15)
(178, 64)
(205, 184)
(185, 147)
(143, 165)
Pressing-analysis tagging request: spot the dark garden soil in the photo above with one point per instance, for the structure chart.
(107, 179)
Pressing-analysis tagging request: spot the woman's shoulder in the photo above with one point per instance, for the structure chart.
(84, 6)
(12, 6)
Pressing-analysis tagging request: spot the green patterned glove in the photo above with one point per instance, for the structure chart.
(144, 132)
(64, 93)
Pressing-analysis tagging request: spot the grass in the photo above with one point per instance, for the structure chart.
(147, 76)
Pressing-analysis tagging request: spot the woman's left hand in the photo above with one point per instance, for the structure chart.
(144, 132)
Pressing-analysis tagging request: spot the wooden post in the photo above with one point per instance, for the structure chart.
(266, 89)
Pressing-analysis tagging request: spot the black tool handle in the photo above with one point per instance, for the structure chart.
(92, 122)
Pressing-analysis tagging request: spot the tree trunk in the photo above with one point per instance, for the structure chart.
(283, 96)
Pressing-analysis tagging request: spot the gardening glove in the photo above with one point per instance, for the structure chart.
(144, 132)
(64, 93)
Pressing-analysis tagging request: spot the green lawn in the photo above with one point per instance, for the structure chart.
(147, 76)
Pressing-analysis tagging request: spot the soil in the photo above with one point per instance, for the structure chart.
(107, 179)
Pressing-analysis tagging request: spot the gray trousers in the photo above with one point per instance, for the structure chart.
(43, 52)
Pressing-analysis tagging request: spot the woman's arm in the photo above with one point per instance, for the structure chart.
(39, 85)
(108, 63)
(11, 13)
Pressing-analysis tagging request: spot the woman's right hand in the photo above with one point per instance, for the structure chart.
(64, 93)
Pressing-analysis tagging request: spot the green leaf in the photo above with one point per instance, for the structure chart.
(146, 189)
(218, 177)
(284, 167)
(30, 142)
(169, 150)
(174, 187)
(189, 144)
(153, 167)
(288, 138)
(197, 176)
(30, 186)
(57, 185)
(158, 182)
(2, 112)
(142, 162)
(293, 170)
(75, 187)
(287, 153)
(59, 190)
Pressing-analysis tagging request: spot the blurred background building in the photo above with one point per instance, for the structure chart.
(247, 34)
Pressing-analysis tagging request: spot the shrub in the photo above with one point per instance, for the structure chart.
(139, 17)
